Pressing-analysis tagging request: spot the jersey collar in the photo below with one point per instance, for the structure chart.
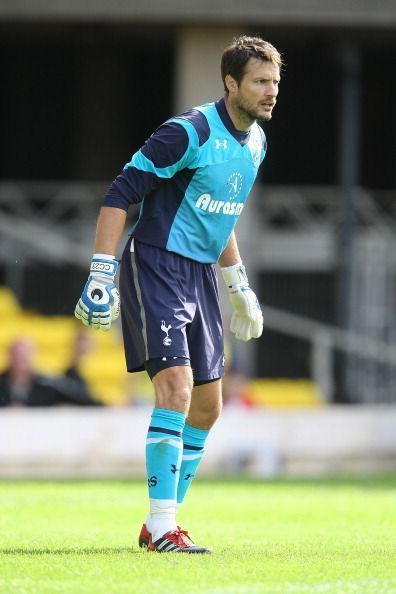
(240, 136)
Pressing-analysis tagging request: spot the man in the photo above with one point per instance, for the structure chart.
(192, 178)
(21, 385)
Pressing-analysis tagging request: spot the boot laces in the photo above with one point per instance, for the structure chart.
(182, 538)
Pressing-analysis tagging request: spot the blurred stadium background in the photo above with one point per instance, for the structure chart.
(82, 86)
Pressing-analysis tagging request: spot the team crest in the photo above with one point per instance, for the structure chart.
(167, 341)
(256, 152)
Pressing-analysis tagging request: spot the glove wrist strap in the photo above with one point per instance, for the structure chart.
(235, 275)
(104, 265)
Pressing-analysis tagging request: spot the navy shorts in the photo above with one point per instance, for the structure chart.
(170, 312)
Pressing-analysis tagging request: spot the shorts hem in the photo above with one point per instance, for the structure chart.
(157, 364)
(135, 369)
(214, 375)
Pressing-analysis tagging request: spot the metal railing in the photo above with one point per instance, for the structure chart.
(325, 340)
(315, 207)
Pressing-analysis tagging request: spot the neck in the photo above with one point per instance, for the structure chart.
(241, 120)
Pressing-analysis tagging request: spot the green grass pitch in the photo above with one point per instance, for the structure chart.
(268, 537)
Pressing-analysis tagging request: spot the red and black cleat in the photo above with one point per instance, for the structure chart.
(144, 537)
(174, 541)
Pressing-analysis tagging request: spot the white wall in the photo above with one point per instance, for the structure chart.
(111, 442)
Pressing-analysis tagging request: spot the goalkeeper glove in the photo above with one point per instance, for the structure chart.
(247, 318)
(99, 303)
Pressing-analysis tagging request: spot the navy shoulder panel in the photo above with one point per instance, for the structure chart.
(167, 145)
(199, 121)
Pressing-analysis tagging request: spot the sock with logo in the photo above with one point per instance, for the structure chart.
(193, 450)
(164, 448)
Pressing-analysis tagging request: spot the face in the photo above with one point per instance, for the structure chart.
(22, 353)
(255, 97)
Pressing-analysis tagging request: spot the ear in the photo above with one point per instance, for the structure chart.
(231, 83)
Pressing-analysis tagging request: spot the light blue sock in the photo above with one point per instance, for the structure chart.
(164, 447)
(193, 450)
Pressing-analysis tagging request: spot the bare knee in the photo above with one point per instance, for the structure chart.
(206, 405)
(173, 387)
(205, 416)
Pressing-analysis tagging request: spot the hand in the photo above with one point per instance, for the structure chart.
(99, 303)
(247, 318)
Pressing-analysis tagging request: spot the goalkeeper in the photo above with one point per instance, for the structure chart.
(191, 178)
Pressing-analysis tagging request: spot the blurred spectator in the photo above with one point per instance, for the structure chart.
(20, 385)
(236, 388)
(82, 347)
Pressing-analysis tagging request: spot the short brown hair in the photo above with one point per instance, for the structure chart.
(238, 53)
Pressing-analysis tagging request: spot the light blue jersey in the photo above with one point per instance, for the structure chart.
(192, 177)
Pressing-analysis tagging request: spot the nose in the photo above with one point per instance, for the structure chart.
(273, 89)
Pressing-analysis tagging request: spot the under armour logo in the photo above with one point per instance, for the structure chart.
(167, 341)
(189, 476)
(221, 144)
(174, 468)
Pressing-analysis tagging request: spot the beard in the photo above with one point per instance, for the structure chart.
(249, 113)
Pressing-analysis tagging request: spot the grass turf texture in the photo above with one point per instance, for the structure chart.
(280, 537)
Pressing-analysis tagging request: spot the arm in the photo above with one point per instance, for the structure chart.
(99, 303)
(230, 255)
(247, 318)
(164, 153)
(109, 229)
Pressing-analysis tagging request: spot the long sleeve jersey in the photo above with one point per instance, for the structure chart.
(192, 178)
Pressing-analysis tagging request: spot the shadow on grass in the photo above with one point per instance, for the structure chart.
(68, 551)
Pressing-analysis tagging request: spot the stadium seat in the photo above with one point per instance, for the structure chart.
(283, 393)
